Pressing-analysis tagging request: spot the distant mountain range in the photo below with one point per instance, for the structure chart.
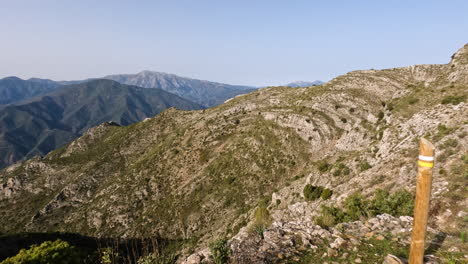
(46, 122)
(14, 89)
(202, 92)
(303, 83)
(40, 115)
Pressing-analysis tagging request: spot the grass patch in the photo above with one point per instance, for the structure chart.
(453, 99)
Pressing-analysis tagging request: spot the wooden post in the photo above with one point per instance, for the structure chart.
(421, 203)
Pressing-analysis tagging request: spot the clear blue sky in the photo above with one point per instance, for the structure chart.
(239, 42)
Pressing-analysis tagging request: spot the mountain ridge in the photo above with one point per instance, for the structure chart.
(40, 124)
(244, 170)
(200, 91)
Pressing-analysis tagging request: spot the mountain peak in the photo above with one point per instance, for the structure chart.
(199, 91)
(461, 56)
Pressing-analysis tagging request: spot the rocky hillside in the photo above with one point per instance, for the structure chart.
(202, 92)
(44, 123)
(249, 171)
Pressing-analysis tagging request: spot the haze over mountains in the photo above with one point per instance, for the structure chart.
(202, 92)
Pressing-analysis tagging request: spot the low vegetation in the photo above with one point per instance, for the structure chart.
(453, 99)
(312, 192)
(50, 252)
(356, 207)
(220, 251)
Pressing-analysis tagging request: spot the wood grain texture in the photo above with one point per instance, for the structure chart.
(421, 206)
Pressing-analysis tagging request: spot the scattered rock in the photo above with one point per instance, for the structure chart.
(380, 237)
(391, 259)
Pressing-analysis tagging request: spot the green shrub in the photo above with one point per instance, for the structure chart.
(402, 203)
(381, 115)
(149, 259)
(337, 173)
(398, 204)
(49, 252)
(413, 100)
(450, 143)
(326, 194)
(220, 251)
(312, 192)
(356, 206)
(453, 99)
(107, 255)
(341, 169)
(364, 166)
(323, 166)
(330, 216)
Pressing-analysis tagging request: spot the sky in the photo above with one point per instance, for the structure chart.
(236, 42)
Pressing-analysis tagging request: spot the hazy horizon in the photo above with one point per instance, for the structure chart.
(245, 43)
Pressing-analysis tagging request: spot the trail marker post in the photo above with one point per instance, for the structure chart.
(421, 203)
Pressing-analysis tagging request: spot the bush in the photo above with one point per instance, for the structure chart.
(450, 143)
(356, 206)
(107, 255)
(312, 192)
(330, 216)
(220, 251)
(413, 100)
(364, 166)
(401, 203)
(149, 259)
(326, 194)
(453, 99)
(398, 204)
(323, 166)
(381, 115)
(340, 169)
(49, 252)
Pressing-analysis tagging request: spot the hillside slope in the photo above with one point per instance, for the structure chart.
(44, 123)
(203, 175)
(202, 92)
